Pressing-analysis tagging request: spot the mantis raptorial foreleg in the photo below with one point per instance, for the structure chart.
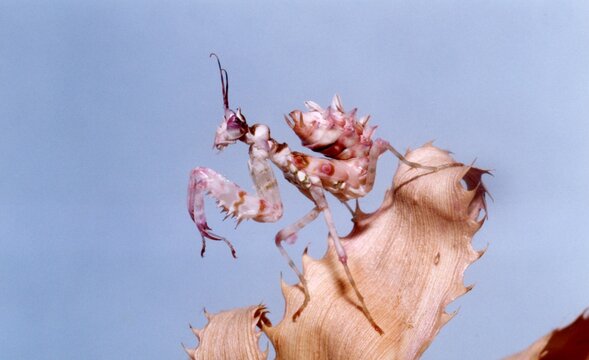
(265, 207)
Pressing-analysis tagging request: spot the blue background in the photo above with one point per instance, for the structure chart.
(106, 106)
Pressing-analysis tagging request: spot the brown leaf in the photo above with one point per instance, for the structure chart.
(230, 335)
(408, 259)
(570, 342)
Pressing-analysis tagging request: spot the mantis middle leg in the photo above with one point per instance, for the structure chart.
(289, 234)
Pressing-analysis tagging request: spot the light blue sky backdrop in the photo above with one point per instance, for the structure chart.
(105, 106)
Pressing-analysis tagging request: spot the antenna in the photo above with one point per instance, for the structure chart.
(224, 81)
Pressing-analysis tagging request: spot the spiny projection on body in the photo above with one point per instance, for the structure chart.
(347, 172)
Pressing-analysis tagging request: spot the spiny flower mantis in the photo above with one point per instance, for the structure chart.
(347, 172)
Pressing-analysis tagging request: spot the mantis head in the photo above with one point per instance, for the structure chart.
(234, 126)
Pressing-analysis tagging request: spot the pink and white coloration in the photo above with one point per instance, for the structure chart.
(347, 172)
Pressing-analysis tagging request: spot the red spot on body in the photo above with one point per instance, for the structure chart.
(327, 168)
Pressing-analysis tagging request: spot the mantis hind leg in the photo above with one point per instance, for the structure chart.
(412, 164)
(289, 234)
(319, 198)
(380, 146)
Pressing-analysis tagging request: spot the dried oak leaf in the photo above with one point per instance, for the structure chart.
(408, 259)
(230, 335)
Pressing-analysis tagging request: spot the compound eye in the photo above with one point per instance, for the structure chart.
(234, 123)
(236, 126)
